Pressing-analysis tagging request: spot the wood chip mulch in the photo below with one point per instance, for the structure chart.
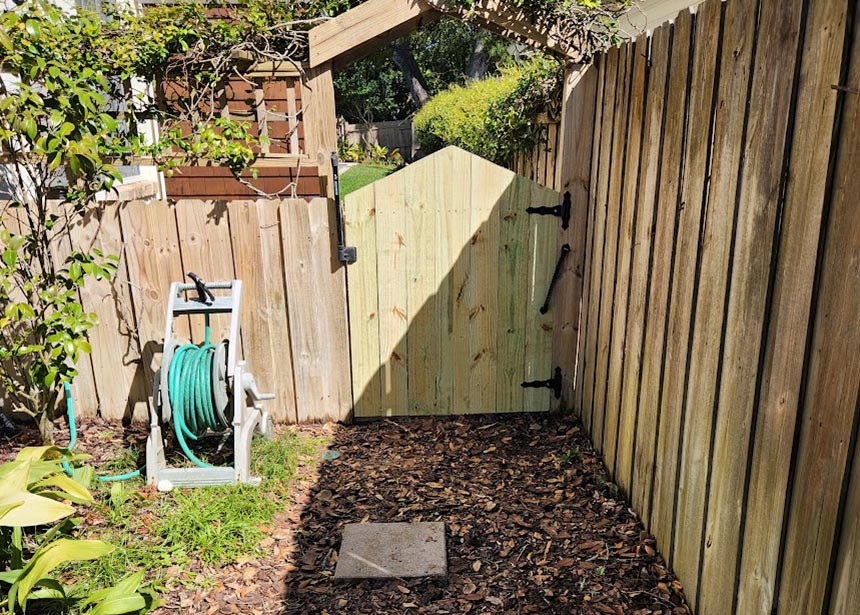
(533, 526)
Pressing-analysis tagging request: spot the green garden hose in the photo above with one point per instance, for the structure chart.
(73, 438)
(189, 385)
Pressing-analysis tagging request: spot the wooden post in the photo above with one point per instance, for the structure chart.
(329, 275)
(320, 123)
(573, 170)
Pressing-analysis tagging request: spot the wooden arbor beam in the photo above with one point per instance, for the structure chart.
(369, 26)
(495, 16)
(373, 24)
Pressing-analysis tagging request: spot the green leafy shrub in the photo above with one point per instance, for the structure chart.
(36, 492)
(350, 152)
(493, 118)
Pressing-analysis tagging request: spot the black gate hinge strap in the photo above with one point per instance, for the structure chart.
(565, 250)
(562, 211)
(553, 383)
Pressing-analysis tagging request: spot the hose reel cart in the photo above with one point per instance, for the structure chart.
(203, 389)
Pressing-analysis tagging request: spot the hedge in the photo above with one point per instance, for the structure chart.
(493, 118)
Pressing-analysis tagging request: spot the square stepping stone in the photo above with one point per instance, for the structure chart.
(391, 550)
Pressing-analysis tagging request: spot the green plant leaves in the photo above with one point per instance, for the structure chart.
(20, 507)
(51, 556)
(121, 598)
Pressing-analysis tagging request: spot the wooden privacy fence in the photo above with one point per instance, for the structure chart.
(293, 306)
(541, 164)
(446, 295)
(393, 134)
(719, 364)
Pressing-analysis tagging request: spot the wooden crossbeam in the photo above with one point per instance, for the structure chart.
(375, 23)
(365, 28)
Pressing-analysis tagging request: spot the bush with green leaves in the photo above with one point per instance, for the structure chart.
(36, 497)
(494, 118)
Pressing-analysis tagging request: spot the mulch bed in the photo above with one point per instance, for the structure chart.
(533, 526)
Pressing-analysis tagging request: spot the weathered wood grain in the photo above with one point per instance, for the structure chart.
(642, 420)
(601, 195)
(670, 173)
(761, 178)
(316, 294)
(632, 108)
(606, 417)
(573, 174)
(621, 433)
(792, 300)
(584, 357)
(152, 250)
(256, 237)
(830, 402)
(116, 352)
(691, 205)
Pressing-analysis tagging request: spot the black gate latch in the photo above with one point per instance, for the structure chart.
(553, 383)
(562, 211)
(345, 253)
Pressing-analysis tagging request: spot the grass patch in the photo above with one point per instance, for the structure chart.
(361, 175)
(172, 535)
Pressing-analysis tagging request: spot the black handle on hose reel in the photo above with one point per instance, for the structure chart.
(204, 295)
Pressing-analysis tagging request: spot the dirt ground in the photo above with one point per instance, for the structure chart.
(533, 525)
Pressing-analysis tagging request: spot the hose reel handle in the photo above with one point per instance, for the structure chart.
(204, 295)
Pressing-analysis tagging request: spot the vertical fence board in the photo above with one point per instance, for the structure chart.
(205, 249)
(485, 282)
(585, 323)
(660, 509)
(801, 223)
(152, 248)
(116, 349)
(393, 308)
(606, 422)
(459, 257)
(757, 211)
(687, 259)
(845, 593)
(573, 170)
(445, 259)
(601, 188)
(716, 239)
(831, 397)
(360, 216)
(255, 234)
(637, 57)
(423, 308)
(540, 261)
(317, 305)
(643, 441)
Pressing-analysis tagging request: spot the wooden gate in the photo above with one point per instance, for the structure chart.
(446, 294)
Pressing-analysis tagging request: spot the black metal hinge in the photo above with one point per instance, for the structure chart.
(562, 211)
(553, 383)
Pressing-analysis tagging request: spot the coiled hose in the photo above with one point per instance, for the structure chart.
(189, 386)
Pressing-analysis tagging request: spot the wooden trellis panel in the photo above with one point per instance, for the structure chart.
(445, 297)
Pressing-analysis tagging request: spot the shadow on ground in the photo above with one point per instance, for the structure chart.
(533, 526)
